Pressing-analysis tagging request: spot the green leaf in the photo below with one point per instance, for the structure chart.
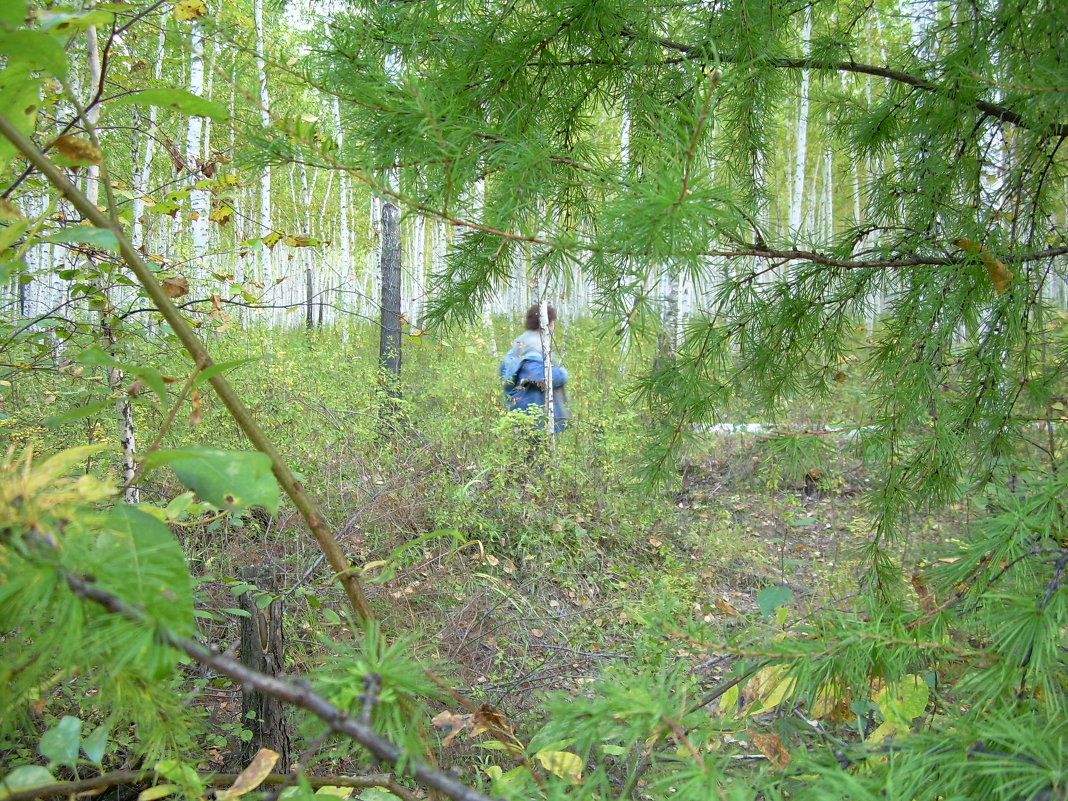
(25, 777)
(228, 479)
(773, 597)
(38, 51)
(178, 505)
(215, 369)
(12, 12)
(74, 23)
(148, 567)
(10, 234)
(9, 268)
(152, 378)
(179, 99)
(99, 237)
(96, 357)
(77, 413)
(60, 744)
(903, 700)
(95, 744)
(20, 97)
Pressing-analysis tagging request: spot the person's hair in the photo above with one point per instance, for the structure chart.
(534, 317)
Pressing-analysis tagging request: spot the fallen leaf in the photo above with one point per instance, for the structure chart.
(251, 777)
(562, 763)
(491, 719)
(159, 791)
(725, 606)
(339, 792)
(771, 746)
(450, 722)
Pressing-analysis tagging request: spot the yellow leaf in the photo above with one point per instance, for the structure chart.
(272, 239)
(159, 791)
(562, 763)
(251, 777)
(44, 473)
(77, 150)
(768, 688)
(883, 731)
(186, 10)
(340, 792)
(727, 702)
(1000, 275)
(221, 214)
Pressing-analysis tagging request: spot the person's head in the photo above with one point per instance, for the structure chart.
(534, 317)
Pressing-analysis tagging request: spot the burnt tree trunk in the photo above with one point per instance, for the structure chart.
(262, 649)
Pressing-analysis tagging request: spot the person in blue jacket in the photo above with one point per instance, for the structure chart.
(523, 371)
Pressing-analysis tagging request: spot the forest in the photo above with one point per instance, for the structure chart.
(585, 399)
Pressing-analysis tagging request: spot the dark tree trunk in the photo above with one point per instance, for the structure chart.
(262, 649)
(389, 343)
(310, 302)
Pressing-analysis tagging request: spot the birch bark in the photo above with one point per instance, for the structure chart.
(123, 406)
(265, 273)
(199, 201)
(798, 187)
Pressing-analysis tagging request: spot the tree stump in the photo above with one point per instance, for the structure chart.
(262, 649)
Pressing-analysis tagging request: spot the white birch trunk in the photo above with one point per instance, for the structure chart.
(199, 200)
(798, 186)
(346, 268)
(123, 406)
(144, 168)
(263, 266)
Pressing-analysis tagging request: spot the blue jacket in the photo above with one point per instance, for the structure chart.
(521, 373)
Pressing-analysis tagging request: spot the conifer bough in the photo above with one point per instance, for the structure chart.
(291, 693)
(293, 488)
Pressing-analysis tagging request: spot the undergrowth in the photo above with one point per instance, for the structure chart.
(574, 615)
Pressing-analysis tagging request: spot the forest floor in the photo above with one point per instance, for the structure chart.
(513, 620)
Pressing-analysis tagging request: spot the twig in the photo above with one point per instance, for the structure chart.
(140, 471)
(121, 777)
(289, 692)
(372, 683)
(320, 530)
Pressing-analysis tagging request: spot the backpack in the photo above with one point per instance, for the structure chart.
(510, 370)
